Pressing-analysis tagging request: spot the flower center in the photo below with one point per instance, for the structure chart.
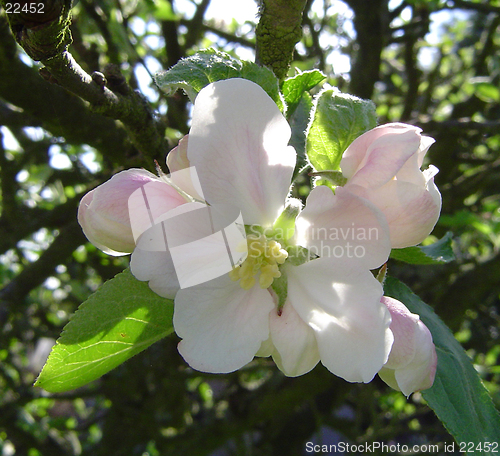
(264, 256)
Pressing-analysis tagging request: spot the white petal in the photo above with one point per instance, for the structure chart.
(341, 303)
(296, 350)
(411, 210)
(266, 349)
(238, 144)
(221, 325)
(156, 268)
(345, 227)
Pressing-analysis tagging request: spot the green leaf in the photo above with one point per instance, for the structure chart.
(293, 88)
(163, 11)
(337, 120)
(438, 253)
(298, 123)
(485, 90)
(458, 396)
(121, 319)
(193, 73)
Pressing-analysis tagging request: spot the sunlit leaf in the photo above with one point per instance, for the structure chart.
(193, 73)
(337, 120)
(437, 253)
(119, 320)
(294, 88)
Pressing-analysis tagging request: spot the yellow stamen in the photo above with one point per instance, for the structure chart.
(264, 256)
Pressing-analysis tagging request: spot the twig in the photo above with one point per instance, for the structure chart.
(277, 33)
(48, 43)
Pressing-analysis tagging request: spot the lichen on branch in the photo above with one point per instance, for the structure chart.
(278, 31)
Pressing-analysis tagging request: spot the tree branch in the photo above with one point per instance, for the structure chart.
(55, 109)
(48, 43)
(34, 274)
(371, 21)
(277, 33)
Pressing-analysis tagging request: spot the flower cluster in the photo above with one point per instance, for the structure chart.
(293, 292)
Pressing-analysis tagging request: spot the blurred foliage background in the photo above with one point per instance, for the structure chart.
(432, 63)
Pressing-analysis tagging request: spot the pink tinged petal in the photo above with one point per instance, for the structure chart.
(221, 325)
(341, 303)
(425, 143)
(403, 326)
(385, 157)
(411, 210)
(343, 226)
(151, 202)
(420, 374)
(238, 144)
(104, 213)
(177, 157)
(359, 152)
(183, 174)
(410, 172)
(296, 350)
(412, 363)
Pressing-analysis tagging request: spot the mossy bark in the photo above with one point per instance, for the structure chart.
(278, 31)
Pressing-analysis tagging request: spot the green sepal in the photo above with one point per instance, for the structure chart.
(284, 226)
(280, 287)
(297, 255)
(337, 120)
(382, 274)
(335, 178)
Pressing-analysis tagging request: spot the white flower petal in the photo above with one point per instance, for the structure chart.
(238, 144)
(156, 268)
(296, 350)
(341, 303)
(411, 210)
(345, 227)
(221, 325)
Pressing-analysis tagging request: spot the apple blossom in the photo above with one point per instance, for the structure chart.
(383, 165)
(103, 213)
(412, 362)
(300, 295)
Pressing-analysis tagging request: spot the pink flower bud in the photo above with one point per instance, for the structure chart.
(412, 362)
(383, 166)
(104, 212)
